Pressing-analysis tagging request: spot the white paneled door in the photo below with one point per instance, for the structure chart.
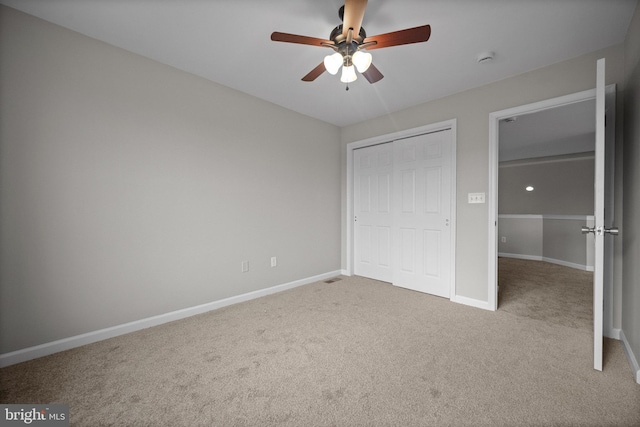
(402, 212)
(422, 209)
(373, 167)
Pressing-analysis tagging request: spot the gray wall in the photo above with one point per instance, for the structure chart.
(562, 186)
(563, 241)
(630, 230)
(131, 189)
(471, 108)
(522, 236)
(551, 238)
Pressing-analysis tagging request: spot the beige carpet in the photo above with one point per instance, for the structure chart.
(355, 352)
(544, 291)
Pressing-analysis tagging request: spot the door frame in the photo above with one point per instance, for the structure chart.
(492, 199)
(388, 138)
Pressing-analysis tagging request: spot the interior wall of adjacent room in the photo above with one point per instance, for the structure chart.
(131, 189)
(471, 108)
(559, 186)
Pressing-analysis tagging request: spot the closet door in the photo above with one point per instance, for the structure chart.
(373, 168)
(421, 213)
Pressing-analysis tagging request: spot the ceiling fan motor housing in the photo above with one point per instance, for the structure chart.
(337, 37)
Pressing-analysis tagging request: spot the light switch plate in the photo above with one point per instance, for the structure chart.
(476, 197)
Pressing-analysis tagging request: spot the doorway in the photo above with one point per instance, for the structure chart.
(564, 225)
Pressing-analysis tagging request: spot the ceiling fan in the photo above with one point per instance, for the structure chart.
(349, 41)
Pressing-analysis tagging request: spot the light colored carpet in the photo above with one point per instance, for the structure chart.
(355, 352)
(545, 291)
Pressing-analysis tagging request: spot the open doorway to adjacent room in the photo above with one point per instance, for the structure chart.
(545, 195)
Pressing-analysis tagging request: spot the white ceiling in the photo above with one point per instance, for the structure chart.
(556, 131)
(228, 42)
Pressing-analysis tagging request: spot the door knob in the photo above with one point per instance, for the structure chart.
(600, 230)
(587, 230)
(613, 231)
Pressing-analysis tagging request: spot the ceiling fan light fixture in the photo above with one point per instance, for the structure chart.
(333, 62)
(348, 74)
(362, 60)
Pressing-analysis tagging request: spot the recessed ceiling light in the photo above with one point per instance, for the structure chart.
(529, 188)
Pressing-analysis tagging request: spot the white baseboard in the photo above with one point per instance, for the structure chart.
(633, 361)
(568, 264)
(613, 333)
(46, 349)
(471, 302)
(520, 256)
(547, 259)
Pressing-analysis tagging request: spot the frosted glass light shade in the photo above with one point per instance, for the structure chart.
(362, 60)
(348, 74)
(332, 63)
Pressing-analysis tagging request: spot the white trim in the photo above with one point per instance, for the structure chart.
(520, 256)
(613, 333)
(568, 264)
(538, 216)
(471, 302)
(382, 139)
(570, 217)
(543, 160)
(46, 349)
(547, 259)
(492, 199)
(520, 216)
(633, 361)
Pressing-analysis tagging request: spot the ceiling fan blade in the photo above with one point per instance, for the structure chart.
(353, 14)
(396, 38)
(315, 73)
(294, 38)
(372, 74)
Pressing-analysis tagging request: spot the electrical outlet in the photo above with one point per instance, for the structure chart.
(245, 266)
(274, 261)
(476, 197)
(503, 239)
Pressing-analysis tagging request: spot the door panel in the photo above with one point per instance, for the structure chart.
(433, 186)
(423, 168)
(407, 250)
(408, 191)
(432, 251)
(373, 216)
